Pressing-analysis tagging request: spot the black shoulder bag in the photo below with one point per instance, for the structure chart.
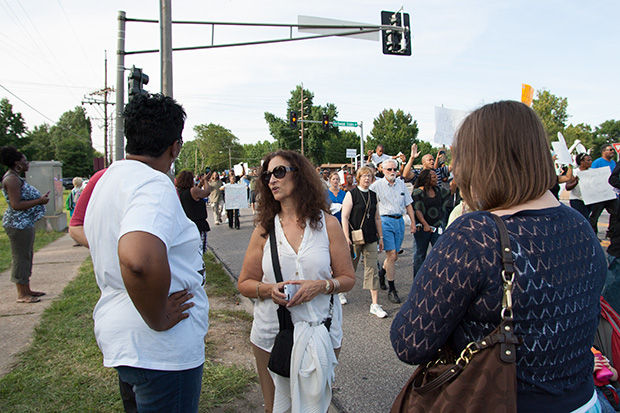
(280, 357)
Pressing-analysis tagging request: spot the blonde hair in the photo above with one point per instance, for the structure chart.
(77, 182)
(362, 171)
(501, 157)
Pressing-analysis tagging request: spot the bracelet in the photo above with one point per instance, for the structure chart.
(257, 293)
(336, 285)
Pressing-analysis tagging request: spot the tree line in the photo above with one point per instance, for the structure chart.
(214, 146)
(68, 141)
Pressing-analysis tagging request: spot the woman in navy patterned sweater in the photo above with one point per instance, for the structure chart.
(502, 165)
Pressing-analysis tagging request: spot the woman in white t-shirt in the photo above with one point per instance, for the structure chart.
(153, 313)
(314, 260)
(584, 161)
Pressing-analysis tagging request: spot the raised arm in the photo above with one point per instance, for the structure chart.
(408, 169)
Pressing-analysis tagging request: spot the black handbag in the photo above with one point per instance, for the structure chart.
(280, 357)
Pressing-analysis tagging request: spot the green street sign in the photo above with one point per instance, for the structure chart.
(343, 123)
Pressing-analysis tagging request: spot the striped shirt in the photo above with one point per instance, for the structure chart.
(393, 198)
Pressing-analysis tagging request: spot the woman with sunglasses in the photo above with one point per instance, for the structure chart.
(314, 261)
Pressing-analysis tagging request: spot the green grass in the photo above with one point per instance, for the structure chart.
(62, 370)
(218, 281)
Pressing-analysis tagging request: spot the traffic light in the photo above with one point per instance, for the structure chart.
(325, 122)
(137, 80)
(397, 42)
(293, 119)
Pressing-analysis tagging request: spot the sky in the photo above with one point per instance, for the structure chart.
(465, 53)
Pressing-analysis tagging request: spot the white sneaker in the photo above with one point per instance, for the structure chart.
(377, 310)
(343, 298)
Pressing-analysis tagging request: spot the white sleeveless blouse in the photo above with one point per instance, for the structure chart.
(312, 262)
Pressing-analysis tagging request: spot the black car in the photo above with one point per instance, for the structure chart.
(67, 183)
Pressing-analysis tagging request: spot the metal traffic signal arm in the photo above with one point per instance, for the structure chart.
(347, 30)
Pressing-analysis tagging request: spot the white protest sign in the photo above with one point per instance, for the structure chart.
(594, 185)
(561, 151)
(351, 153)
(447, 122)
(236, 196)
(240, 168)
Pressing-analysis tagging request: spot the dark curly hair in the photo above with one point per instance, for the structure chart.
(152, 124)
(9, 156)
(309, 193)
(424, 179)
(185, 180)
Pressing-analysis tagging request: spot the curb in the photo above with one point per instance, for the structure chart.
(248, 306)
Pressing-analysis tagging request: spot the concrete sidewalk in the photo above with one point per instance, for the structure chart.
(54, 266)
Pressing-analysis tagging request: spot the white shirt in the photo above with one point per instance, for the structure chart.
(131, 196)
(392, 199)
(575, 193)
(312, 262)
(376, 159)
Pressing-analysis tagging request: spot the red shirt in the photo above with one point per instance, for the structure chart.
(77, 220)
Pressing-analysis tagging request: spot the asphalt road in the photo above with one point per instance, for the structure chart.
(369, 375)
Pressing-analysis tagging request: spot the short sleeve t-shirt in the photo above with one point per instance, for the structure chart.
(131, 196)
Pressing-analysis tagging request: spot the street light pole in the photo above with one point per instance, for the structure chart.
(229, 160)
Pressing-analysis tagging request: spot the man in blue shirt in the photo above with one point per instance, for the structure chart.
(606, 160)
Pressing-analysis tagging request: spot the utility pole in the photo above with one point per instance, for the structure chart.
(165, 25)
(120, 88)
(103, 92)
(229, 160)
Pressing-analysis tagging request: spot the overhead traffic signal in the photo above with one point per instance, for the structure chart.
(325, 122)
(293, 119)
(396, 41)
(137, 80)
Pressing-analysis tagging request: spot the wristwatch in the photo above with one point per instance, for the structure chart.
(327, 287)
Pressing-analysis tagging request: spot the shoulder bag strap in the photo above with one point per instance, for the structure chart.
(275, 261)
(365, 210)
(503, 335)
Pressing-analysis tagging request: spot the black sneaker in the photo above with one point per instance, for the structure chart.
(382, 279)
(393, 297)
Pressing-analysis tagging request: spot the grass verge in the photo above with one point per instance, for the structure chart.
(218, 281)
(62, 369)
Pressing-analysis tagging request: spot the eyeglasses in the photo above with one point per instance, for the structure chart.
(279, 172)
(390, 169)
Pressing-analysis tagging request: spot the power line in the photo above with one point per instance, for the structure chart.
(36, 110)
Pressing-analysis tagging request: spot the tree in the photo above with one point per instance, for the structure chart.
(40, 147)
(12, 126)
(605, 133)
(580, 131)
(396, 131)
(314, 134)
(71, 138)
(254, 152)
(213, 143)
(552, 112)
(337, 145)
(190, 159)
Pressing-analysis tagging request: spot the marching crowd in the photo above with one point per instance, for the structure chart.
(500, 266)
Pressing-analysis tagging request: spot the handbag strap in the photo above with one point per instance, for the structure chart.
(367, 201)
(275, 262)
(503, 334)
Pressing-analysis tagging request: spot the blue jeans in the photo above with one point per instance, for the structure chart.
(164, 391)
(422, 239)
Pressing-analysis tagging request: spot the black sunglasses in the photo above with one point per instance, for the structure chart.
(390, 169)
(279, 172)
